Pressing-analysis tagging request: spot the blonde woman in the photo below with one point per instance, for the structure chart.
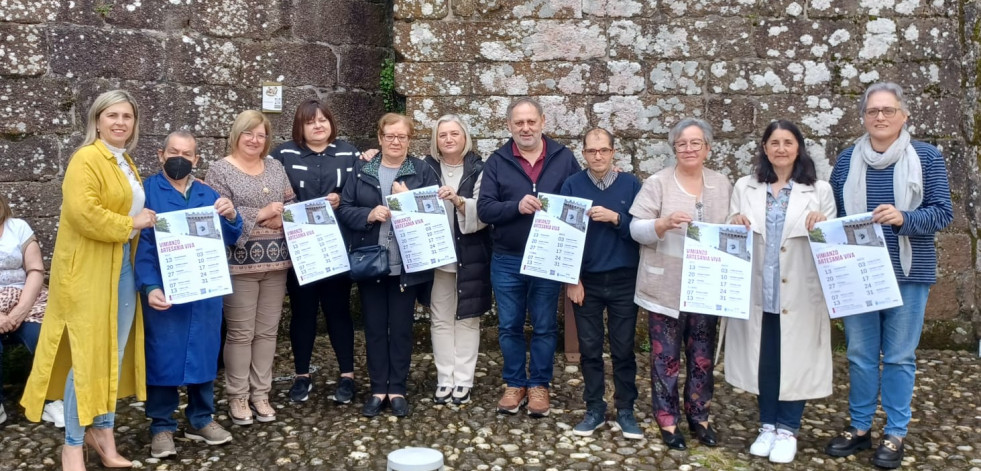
(258, 187)
(461, 290)
(91, 343)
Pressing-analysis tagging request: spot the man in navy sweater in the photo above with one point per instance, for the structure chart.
(527, 164)
(606, 281)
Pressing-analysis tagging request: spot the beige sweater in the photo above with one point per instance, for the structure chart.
(659, 272)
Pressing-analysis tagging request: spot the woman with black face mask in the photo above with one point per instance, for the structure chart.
(182, 341)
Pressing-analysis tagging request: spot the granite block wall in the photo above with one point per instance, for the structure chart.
(636, 67)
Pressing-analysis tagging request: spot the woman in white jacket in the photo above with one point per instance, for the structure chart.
(783, 351)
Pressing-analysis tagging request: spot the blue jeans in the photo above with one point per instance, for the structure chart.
(26, 334)
(517, 294)
(895, 333)
(162, 401)
(784, 415)
(74, 432)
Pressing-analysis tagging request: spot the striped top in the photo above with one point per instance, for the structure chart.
(920, 225)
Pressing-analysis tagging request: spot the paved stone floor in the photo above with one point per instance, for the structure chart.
(945, 432)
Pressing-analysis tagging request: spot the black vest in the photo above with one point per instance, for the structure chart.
(473, 251)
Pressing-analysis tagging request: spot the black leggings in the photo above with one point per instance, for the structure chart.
(333, 296)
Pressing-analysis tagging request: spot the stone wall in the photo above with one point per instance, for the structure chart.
(191, 65)
(636, 67)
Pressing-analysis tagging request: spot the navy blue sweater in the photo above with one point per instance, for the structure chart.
(608, 247)
(504, 184)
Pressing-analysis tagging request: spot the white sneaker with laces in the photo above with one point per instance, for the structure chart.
(764, 442)
(3, 414)
(784, 447)
(54, 412)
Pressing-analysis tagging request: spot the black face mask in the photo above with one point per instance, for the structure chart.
(177, 167)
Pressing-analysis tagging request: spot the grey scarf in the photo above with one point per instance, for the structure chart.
(907, 182)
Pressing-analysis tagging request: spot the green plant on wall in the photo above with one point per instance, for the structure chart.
(393, 101)
(103, 8)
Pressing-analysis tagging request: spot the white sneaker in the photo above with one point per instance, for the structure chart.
(54, 412)
(784, 447)
(764, 442)
(3, 414)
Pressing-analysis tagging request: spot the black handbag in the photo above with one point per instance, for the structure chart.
(369, 262)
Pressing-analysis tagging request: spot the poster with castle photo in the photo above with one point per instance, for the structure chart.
(717, 270)
(314, 240)
(422, 229)
(557, 237)
(854, 266)
(192, 255)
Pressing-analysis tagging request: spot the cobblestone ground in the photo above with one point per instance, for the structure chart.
(945, 432)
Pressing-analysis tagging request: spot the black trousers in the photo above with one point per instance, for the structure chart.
(388, 312)
(613, 291)
(333, 296)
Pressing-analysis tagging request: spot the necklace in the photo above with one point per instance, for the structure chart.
(450, 169)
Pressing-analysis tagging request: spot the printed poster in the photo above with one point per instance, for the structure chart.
(854, 266)
(192, 255)
(314, 240)
(557, 238)
(717, 270)
(422, 229)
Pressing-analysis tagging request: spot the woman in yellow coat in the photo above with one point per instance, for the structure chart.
(91, 345)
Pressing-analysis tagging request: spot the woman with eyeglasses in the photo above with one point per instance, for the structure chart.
(668, 201)
(903, 183)
(258, 187)
(388, 302)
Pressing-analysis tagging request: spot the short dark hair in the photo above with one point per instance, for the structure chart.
(182, 133)
(608, 134)
(804, 170)
(307, 110)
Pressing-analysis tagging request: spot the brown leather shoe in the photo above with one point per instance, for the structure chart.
(538, 405)
(512, 400)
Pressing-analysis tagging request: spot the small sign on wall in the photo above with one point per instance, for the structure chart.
(272, 97)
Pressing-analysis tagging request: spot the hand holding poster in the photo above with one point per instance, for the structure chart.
(854, 266)
(314, 240)
(192, 255)
(422, 229)
(717, 270)
(558, 234)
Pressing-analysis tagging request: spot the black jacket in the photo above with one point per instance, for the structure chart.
(313, 175)
(362, 193)
(473, 251)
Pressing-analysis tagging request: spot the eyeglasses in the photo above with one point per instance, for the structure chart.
(251, 135)
(888, 112)
(605, 152)
(690, 145)
(394, 137)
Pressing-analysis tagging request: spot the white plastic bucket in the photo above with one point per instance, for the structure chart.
(415, 459)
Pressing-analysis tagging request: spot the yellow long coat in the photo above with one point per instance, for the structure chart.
(79, 328)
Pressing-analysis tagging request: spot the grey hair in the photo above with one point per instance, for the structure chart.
(687, 123)
(525, 101)
(100, 104)
(182, 134)
(608, 134)
(890, 87)
(450, 118)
